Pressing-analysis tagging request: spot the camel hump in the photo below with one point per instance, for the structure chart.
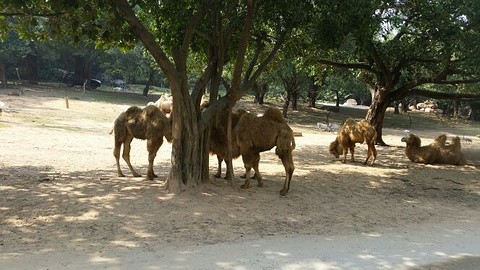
(151, 110)
(456, 143)
(274, 114)
(134, 110)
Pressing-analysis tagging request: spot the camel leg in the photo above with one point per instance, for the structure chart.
(126, 154)
(287, 161)
(257, 175)
(345, 152)
(219, 169)
(116, 154)
(152, 146)
(369, 153)
(373, 153)
(352, 151)
(248, 167)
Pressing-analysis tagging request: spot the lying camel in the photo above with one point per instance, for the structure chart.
(258, 134)
(146, 124)
(354, 132)
(436, 152)
(218, 139)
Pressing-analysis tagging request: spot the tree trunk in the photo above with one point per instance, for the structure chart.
(294, 100)
(149, 82)
(312, 92)
(455, 109)
(376, 112)
(186, 171)
(31, 68)
(260, 90)
(285, 105)
(475, 108)
(337, 102)
(3, 74)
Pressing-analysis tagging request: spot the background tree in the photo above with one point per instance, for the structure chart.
(401, 46)
(293, 81)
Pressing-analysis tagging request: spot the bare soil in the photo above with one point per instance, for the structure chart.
(59, 190)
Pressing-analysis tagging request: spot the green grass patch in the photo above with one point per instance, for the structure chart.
(67, 128)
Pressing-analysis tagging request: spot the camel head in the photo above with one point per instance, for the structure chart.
(412, 140)
(335, 149)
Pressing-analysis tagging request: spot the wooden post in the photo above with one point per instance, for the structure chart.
(66, 102)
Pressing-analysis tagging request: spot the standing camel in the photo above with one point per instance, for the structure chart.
(258, 134)
(146, 124)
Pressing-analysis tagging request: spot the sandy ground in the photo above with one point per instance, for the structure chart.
(63, 207)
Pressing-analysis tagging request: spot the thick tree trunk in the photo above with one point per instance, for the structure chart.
(188, 142)
(376, 112)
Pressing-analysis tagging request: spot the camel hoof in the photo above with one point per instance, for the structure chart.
(260, 184)
(137, 175)
(283, 192)
(217, 176)
(244, 186)
(121, 175)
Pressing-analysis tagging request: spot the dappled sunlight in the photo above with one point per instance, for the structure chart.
(97, 259)
(315, 265)
(89, 215)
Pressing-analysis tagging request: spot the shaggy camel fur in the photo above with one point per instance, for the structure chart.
(258, 134)
(436, 152)
(218, 139)
(354, 132)
(146, 124)
(164, 103)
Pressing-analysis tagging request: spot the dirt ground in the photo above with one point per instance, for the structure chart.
(59, 191)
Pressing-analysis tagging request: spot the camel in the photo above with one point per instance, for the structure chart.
(354, 132)
(436, 152)
(258, 134)
(218, 139)
(146, 124)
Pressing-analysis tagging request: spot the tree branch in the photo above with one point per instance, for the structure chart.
(443, 95)
(146, 37)
(13, 14)
(363, 66)
(242, 47)
(266, 61)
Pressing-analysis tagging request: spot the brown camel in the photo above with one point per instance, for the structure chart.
(436, 152)
(354, 132)
(218, 139)
(146, 124)
(258, 134)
